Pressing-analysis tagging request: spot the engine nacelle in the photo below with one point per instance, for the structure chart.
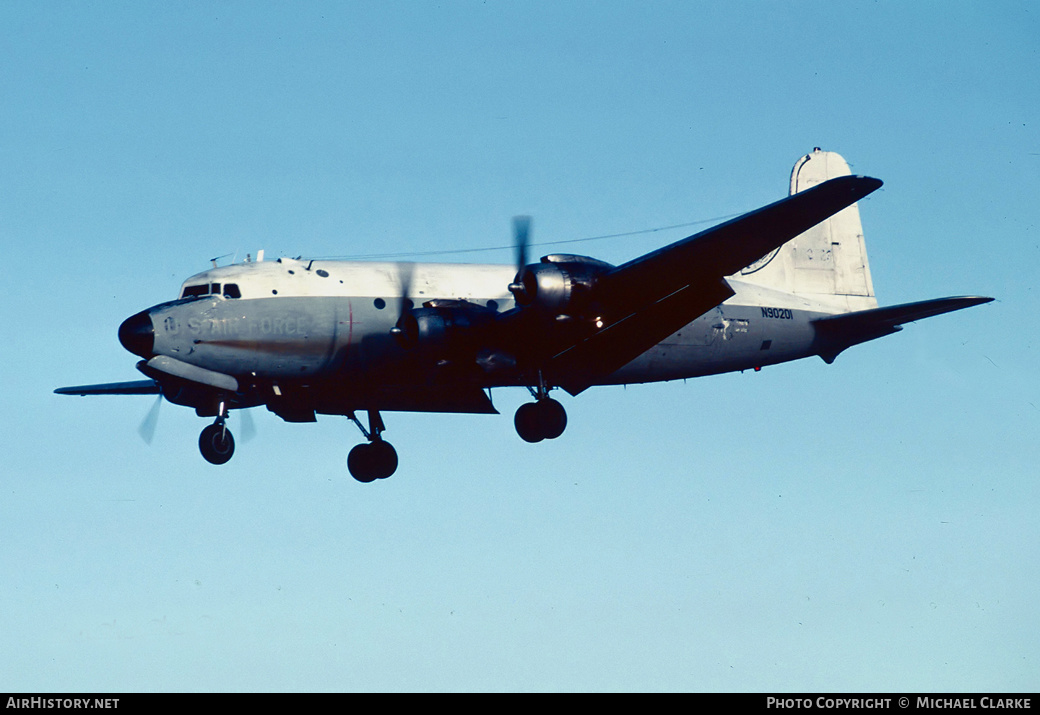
(560, 284)
(441, 325)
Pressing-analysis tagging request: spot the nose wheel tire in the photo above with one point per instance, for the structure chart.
(370, 461)
(216, 444)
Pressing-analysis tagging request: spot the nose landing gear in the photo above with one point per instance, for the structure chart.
(216, 443)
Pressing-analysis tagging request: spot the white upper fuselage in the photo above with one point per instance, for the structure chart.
(355, 279)
(467, 281)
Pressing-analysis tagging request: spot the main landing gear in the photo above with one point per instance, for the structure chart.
(374, 459)
(544, 418)
(216, 443)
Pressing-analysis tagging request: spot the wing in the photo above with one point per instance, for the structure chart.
(137, 387)
(656, 294)
(836, 333)
(428, 398)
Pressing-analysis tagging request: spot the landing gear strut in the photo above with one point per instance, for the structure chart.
(216, 443)
(544, 418)
(375, 459)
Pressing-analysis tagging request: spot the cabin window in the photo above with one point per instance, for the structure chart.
(231, 290)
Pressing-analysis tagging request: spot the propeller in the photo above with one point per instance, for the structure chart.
(406, 330)
(150, 421)
(521, 239)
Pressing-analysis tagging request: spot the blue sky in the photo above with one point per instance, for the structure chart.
(868, 525)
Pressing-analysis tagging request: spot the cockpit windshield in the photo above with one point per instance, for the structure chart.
(197, 291)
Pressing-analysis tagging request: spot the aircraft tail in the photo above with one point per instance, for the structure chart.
(829, 261)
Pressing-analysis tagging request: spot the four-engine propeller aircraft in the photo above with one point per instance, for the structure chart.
(308, 337)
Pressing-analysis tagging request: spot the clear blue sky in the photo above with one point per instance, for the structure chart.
(869, 525)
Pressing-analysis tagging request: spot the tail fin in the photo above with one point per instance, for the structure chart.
(829, 261)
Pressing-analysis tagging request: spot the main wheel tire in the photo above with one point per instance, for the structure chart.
(216, 444)
(384, 458)
(360, 463)
(370, 461)
(553, 418)
(528, 423)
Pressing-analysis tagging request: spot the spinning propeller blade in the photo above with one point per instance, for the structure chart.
(521, 237)
(150, 421)
(406, 330)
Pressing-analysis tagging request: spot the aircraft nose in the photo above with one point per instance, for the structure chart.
(136, 334)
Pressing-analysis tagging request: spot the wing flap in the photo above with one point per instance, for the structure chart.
(454, 398)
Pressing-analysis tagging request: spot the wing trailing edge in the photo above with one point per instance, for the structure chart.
(836, 333)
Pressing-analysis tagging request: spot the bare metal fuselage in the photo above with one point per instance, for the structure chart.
(332, 320)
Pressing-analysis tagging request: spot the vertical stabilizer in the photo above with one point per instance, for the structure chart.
(829, 261)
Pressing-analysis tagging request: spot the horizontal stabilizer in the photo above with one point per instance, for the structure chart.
(836, 333)
(136, 387)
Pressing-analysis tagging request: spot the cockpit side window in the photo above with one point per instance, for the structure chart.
(195, 291)
(231, 291)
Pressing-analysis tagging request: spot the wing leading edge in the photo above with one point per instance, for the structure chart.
(656, 294)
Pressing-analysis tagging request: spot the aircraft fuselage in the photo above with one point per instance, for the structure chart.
(296, 320)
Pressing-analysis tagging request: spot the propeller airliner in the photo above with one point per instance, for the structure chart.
(321, 337)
